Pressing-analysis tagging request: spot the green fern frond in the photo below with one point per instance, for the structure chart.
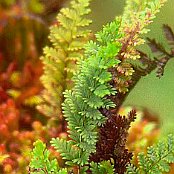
(131, 169)
(68, 38)
(40, 162)
(157, 160)
(102, 168)
(66, 149)
(89, 95)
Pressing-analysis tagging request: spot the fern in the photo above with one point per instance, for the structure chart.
(134, 64)
(157, 159)
(41, 162)
(67, 38)
(67, 150)
(89, 94)
(112, 139)
(102, 168)
(136, 18)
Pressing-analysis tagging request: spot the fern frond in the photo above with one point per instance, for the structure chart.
(89, 95)
(131, 169)
(112, 139)
(157, 159)
(40, 162)
(69, 152)
(136, 18)
(68, 38)
(102, 168)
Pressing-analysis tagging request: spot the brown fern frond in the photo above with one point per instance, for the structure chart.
(111, 144)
